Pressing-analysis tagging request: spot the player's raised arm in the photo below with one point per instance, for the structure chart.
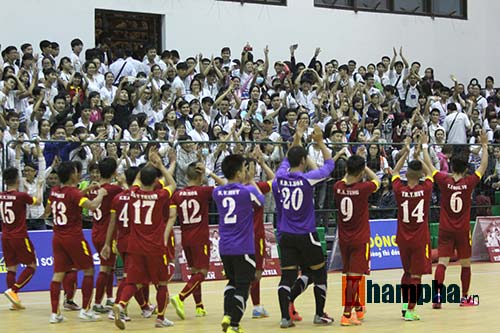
(405, 151)
(155, 160)
(260, 159)
(373, 177)
(93, 204)
(299, 133)
(424, 140)
(255, 194)
(318, 138)
(316, 176)
(484, 157)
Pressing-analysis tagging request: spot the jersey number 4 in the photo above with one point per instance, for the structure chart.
(418, 211)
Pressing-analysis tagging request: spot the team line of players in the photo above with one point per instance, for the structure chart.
(139, 222)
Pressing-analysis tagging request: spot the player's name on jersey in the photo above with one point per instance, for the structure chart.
(347, 192)
(228, 192)
(57, 195)
(123, 197)
(144, 196)
(415, 194)
(7, 197)
(188, 193)
(457, 187)
(284, 182)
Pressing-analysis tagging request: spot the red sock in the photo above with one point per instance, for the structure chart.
(194, 281)
(439, 275)
(145, 292)
(161, 300)
(55, 292)
(69, 284)
(87, 289)
(110, 284)
(415, 285)
(11, 279)
(465, 276)
(255, 292)
(121, 284)
(139, 297)
(25, 277)
(197, 296)
(128, 291)
(406, 278)
(102, 280)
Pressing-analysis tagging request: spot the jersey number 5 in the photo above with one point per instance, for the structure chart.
(6, 212)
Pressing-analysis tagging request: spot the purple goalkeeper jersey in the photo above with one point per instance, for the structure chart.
(294, 196)
(235, 206)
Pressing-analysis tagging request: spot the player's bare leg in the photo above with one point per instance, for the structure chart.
(162, 301)
(413, 293)
(100, 288)
(288, 277)
(439, 279)
(14, 286)
(351, 291)
(197, 277)
(258, 309)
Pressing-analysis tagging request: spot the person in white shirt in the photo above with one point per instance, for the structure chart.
(76, 61)
(176, 84)
(456, 125)
(434, 125)
(95, 80)
(108, 91)
(11, 55)
(121, 67)
(151, 58)
(197, 134)
(398, 70)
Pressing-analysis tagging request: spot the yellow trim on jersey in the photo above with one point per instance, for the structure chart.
(165, 260)
(168, 190)
(395, 177)
(28, 246)
(112, 211)
(478, 174)
(205, 249)
(48, 201)
(367, 254)
(434, 172)
(427, 251)
(173, 206)
(377, 185)
(85, 248)
(270, 183)
(430, 178)
(162, 183)
(34, 200)
(261, 244)
(82, 201)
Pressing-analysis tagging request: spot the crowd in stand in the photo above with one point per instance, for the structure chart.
(198, 108)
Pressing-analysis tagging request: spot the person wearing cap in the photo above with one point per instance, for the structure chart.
(268, 129)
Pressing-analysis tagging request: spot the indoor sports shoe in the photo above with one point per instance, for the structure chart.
(125, 317)
(163, 323)
(100, 308)
(13, 297)
(148, 312)
(322, 320)
(56, 318)
(88, 315)
(226, 321)
(118, 311)
(468, 301)
(259, 312)
(109, 303)
(351, 321)
(410, 315)
(293, 313)
(404, 308)
(360, 315)
(69, 305)
(12, 307)
(286, 323)
(235, 330)
(201, 312)
(179, 306)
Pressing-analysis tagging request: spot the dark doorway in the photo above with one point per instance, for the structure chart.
(129, 30)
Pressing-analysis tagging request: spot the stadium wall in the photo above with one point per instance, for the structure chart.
(465, 47)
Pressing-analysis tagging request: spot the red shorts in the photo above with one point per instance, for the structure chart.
(71, 253)
(18, 251)
(122, 245)
(415, 258)
(197, 255)
(448, 241)
(260, 252)
(147, 269)
(355, 258)
(110, 262)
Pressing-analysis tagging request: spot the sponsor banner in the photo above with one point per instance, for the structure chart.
(486, 239)
(42, 241)
(216, 269)
(384, 252)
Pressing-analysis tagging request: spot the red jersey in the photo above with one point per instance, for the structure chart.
(100, 216)
(119, 206)
(192, 211)
(258, 212)
(456, 201)
(13, 213)
(414, 205)
(66, 204)
(352, 203)
(148, 213)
